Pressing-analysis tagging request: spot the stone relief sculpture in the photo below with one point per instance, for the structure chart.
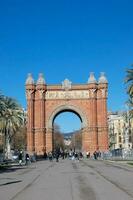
(66, 84)
(82, 94)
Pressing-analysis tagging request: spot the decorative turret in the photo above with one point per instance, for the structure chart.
(40, 86)
(102, 78)
(40, 80)
(30, 86)
(92, 78)
(29, 80)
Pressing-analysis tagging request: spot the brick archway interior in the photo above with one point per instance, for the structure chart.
(69, 108)
(45, 102)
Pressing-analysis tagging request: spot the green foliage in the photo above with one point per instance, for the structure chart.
(129, 82)
(130, 163)
(19, 139)
(58, 138)
(11, 118)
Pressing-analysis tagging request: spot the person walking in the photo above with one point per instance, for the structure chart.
(27, 159)
(20, 157)
(57, 154)
(95, 155)
(50, 156)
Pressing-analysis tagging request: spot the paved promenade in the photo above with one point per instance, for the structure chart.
(68, 180)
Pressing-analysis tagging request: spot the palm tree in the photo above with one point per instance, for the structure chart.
(11, 119)
(129, 82)
(2, 105)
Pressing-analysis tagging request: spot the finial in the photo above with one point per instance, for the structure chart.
(66, 84)
(40, 79)
(29, 79)
(102, 78)
(92, 78)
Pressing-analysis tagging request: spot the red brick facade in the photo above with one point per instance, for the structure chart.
(45, 102)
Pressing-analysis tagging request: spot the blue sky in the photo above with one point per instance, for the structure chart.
(65, 39)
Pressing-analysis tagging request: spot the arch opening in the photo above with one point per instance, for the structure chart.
(67, 108)
(67, 133)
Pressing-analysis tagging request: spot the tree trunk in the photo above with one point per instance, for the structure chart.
(7, 146)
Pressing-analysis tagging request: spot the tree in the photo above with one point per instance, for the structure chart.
(2, 105)
(11, 119)
(129, 82)
(77, 140)
(19, 139)
(58, 137)
(2, 109)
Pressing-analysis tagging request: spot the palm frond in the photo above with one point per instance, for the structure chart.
(129, 76)
(129, 83)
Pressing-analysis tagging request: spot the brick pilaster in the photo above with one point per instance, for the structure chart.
(40, 139)
(30, 93)
(102, 117)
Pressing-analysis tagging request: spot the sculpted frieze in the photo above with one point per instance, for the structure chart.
(82, 94)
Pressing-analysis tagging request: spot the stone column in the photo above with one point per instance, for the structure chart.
(102, 113)
(30, 94)
(93, 117)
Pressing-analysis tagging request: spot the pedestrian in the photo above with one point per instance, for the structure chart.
(20, 157)
(45, 155)
(95, 155)
(27, 159)
(57, 154)
(88, 154)
(50, 156)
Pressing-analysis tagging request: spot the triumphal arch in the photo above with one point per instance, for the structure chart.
(45, 102)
